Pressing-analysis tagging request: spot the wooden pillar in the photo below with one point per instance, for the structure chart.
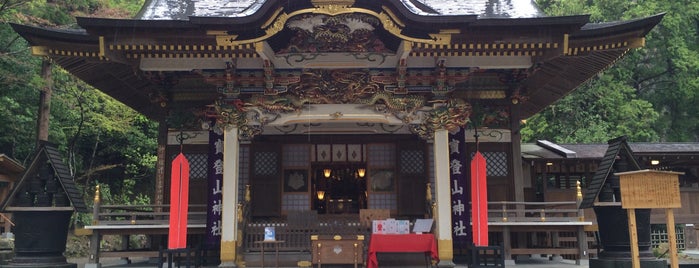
(229, 215)
(507, 244)
(516, 143)
(517, 172)
(94, 257)
(42, 133)
(443, 199)
(582, 245)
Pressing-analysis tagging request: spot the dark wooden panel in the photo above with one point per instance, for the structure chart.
(265, 180)
(411, 179)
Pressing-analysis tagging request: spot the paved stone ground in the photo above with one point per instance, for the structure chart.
(143, 263)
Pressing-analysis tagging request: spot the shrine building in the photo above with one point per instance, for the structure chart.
(334, 109)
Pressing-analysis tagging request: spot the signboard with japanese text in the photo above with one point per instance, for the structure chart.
(215, 196)
(460, 193)
(650, 189)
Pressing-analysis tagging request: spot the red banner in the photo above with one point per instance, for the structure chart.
(479, 200)
(179, 203)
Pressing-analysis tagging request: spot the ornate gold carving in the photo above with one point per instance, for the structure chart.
(451, 115)
(277, 25)
(390, 22)
(239, 213)
(331, 9)
(336, 115)
(226, 40)
(332, 2)
(247, 193)
(393, 17)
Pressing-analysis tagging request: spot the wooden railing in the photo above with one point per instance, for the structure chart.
(126, 220)
(142, 214)
(297, 229)
(509, 211)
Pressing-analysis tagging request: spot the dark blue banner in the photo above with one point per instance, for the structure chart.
(215, 180)
(460, 192)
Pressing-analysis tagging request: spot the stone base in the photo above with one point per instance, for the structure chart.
(607, 263)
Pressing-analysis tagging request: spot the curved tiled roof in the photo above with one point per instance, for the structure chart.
(183, 9)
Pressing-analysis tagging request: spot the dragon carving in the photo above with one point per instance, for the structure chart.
(341, 87)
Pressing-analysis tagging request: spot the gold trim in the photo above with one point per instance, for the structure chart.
(226, 40)
(228, 251)
(331, 9)
(332, 2)
(102, 48)
(216, 32)
(389, 21)
(393, 16)
(450, 31)
(40, 51)
(445, 249)
(272, 18)
(637, 42)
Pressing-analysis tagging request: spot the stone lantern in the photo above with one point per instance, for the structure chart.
(42, 203)
(603, 194)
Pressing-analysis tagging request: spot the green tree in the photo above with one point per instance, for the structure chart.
(663, 75)
(104, 140)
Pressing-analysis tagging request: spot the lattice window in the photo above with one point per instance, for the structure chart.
(381, 155)
(295, 202)
(412, 162)
(197, 165)
(265, 163)
(496, 163)
(658, 236)
(383, 201)
(296, 155)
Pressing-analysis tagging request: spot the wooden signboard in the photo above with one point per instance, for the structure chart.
(650, 189)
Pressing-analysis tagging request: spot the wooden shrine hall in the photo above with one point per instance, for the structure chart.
(334, 110)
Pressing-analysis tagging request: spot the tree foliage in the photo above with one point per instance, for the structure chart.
(650, 95)
(105, 142)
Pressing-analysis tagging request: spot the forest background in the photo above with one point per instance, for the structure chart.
(651, 95)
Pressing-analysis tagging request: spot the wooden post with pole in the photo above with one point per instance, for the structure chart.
(650, 189)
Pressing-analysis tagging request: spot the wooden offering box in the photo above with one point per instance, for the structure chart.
(329, 249)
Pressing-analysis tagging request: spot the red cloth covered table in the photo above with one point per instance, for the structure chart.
(401, 243)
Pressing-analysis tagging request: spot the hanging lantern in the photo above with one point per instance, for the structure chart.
(326, 172)
(361, 172)
(320, 194)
